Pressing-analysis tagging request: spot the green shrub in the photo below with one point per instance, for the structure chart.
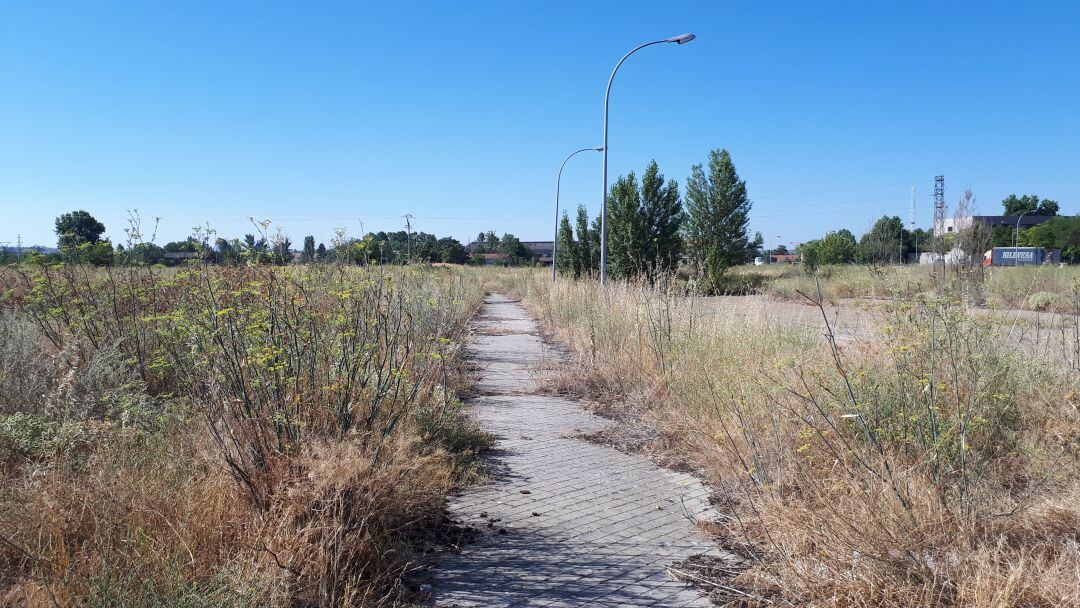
(26, 369)
(25, 435)
(1043, 300)
(739, 283)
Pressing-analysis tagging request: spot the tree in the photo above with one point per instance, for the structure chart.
(425, 247)
(188, 245)
(837, 248)
(307, 256)
(1059, 233)
(228, 250)
(76, 228)
(718, 213)
(972, 242)
(757, 246)
(1029, 204)
(780, 250)
(585, 254)
(281, 250)
(320, 253)
(567, 255)
(146, 253)
(514, 251)
(625, 228)
(594, 243)
(661, 221)
(98, 253)
(921, 240)
(451, 251)
(885, 243)
(811, 254)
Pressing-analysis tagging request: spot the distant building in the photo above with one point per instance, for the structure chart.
(540, 248)
(952, 225)
(491, 259)
(541, 252)
(954, 257)
(180, 256)
(786, 258)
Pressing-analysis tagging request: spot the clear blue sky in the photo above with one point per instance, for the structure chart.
(317, 115)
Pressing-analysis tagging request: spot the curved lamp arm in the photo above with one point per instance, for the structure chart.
(558, 186)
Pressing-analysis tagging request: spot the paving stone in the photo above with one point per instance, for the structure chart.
(598, 538)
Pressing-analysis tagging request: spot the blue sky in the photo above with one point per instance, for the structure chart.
(322, 115)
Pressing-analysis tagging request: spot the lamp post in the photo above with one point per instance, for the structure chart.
(1016, 235)
(558, 185)
(680, 40)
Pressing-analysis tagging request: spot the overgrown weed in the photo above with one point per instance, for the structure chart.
(227, 436)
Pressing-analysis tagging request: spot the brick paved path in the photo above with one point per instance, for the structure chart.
(564, 522)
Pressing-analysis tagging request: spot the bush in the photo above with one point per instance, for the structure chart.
(26, 435)
(738, 283)
(1044, 300)
(27, 371)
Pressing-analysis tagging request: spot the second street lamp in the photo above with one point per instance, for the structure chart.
(680, 40)
(558, 185)
(1016, 235)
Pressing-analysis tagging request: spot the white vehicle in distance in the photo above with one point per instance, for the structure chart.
(758, 261)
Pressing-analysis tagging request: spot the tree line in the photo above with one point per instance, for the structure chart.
(889, 242)
(651, 227)
(80, 239)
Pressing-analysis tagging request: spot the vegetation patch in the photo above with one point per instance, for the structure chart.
(229, 436)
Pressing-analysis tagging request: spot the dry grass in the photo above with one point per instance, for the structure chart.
(994, 287)
(930, 467)
(228, 436)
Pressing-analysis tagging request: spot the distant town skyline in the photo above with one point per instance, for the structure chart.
(459, 115)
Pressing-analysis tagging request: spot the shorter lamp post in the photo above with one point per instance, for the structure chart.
(1016, 235)
(558, 186)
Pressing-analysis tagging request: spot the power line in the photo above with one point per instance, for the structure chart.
(833, 203)
(836, 212)
(798, 194)
(277, 216)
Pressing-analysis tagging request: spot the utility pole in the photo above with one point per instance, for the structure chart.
(913, 233)
(408, 239)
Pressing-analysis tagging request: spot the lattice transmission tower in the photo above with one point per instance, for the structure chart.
(939, 204)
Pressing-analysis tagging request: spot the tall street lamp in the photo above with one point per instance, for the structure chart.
(680, 40)
(1016, 235)
(558, 184)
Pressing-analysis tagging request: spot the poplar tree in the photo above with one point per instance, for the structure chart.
(308, 255)
(625, 228)
(661, 219)
(718, 213)
(584, 262)
(567, 251)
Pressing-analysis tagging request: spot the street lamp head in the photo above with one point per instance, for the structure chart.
(682, 39)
